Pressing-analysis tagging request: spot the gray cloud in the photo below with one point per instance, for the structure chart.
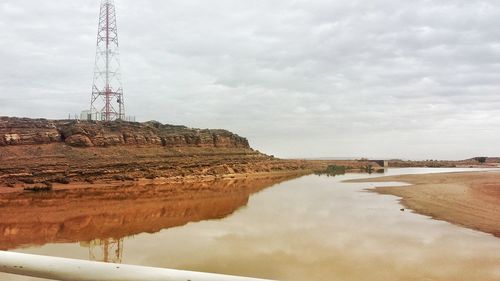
(376, 78)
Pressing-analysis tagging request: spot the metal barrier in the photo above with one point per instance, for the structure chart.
(80, 270)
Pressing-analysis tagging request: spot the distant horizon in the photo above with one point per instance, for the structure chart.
(382, 158)
(289, 157)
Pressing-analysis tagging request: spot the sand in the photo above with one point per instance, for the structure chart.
(470, 199)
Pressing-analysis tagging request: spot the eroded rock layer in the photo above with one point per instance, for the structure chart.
(25, 131)
(38, 153)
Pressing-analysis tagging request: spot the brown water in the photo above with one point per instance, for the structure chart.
(311, 228)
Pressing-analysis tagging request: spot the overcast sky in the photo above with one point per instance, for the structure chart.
(377, 78)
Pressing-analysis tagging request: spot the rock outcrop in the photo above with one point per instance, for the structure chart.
(24, 131)
(18, 131)
(36, 153)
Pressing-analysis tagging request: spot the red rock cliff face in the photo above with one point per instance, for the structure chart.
(16, 131)
(36, 153)
(24, 131)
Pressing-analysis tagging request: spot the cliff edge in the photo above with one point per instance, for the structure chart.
(25, 131)
(36, 154)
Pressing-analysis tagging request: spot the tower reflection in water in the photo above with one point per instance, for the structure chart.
(105, 250)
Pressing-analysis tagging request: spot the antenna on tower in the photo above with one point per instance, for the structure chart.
(107, 93)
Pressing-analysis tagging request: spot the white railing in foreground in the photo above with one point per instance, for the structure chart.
(79, 270)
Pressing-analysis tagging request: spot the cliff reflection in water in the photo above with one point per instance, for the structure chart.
(95, 216)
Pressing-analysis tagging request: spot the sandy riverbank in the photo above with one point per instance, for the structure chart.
(141, 182)
(470, 199)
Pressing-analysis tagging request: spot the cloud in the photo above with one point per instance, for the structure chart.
(376, 78)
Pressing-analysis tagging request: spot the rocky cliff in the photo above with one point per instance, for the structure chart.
(38, 154)
(24, 131)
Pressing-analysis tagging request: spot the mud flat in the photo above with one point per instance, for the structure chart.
(470, 199)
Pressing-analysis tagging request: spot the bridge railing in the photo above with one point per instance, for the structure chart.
(80, 270)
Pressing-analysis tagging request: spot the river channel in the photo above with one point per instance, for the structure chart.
(306, 228)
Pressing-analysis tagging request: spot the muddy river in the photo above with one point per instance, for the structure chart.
(307, 228)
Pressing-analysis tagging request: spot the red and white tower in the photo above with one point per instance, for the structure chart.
(107, 93)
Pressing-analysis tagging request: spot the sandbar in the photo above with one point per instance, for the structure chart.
(469, 199)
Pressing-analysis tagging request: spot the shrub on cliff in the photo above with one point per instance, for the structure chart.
(63, 180)
(481, 160)
(38, 188)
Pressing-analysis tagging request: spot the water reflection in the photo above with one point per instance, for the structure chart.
(101, 217)
(105, 250)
